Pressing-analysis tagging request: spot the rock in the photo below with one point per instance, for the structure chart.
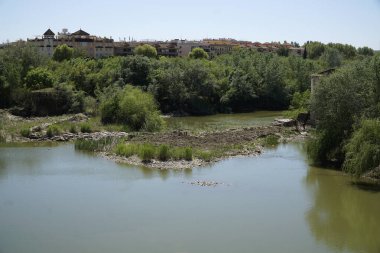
(80, 117)
(374, 174)
(285, 122)
(205, 183)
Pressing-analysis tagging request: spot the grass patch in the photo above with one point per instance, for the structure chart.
(188, 154)
(73, 129)
(147, 152)
(103, 144)
(271, 140)
(163, 153)
(85, 128)
(53, 130)
(205, 155)
(25, 132)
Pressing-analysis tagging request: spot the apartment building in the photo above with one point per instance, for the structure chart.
(98, 47)
(92, 46)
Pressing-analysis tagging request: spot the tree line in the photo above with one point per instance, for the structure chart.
(243, 80)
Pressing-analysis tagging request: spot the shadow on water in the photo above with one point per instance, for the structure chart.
(342, 215)
(367, 186)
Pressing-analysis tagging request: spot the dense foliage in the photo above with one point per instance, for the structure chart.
(243, 80)
(132, 107)
(340, 102)
(198, 53)
(363, 149)
(146, 50)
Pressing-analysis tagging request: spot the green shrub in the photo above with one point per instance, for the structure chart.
(53, 130)
(73, 129)
(204, 155)
(102, 144)
(25, 132)
(85, 128)
(163, 153)
(363, 149)
(146, 152)
(131, 107)
(126, 150)
(271, 140)
(188, 154)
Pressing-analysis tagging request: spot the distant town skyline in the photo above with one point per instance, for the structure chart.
(350, 21)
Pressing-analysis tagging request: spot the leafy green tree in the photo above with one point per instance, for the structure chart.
(363, 148)
(63, 52)
(314, 49)
(16, 60)
(39, 78)
(198, 53)
(136, 69)
(146, 50)
(336, 103)
(366, 51)
(283, 51)
(348, 51)
(331, 58)
(168, 87)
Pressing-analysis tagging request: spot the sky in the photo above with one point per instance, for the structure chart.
(355, 22)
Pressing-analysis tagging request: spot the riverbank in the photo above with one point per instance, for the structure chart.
(205, 147)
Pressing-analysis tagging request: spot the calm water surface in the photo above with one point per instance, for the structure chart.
(55, 199)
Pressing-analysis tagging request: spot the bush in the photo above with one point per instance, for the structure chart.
(363, 149)
(85, 128)
(205, 155)
(146, 152)
(126, 150)
(271, 140)
(132, 107)
(25, 132)
(39, 78)
(73, 129)
(163, 153)
(188, 154)
(53, 130)
(102, 144)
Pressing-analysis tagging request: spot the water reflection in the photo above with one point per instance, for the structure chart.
(342, 216)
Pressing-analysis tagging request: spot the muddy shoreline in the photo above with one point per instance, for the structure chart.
(235, 142)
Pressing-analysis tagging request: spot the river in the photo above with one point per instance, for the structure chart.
(56, 199)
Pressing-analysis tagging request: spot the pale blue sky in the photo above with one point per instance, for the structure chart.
(355, 22)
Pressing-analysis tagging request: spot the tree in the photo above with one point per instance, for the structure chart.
(337, 102)
(314, 49)
(331, 58)
(363, 149)
(198, 53)
(63, 52)
(39, 78)
(283, 51)
(146, 50)
(366, 51)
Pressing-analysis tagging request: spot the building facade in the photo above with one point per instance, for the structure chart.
(91, 46)
(98, 47)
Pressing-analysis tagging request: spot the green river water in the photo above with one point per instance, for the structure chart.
(56, 199)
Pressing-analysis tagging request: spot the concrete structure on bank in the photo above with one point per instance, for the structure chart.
(98, 47)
